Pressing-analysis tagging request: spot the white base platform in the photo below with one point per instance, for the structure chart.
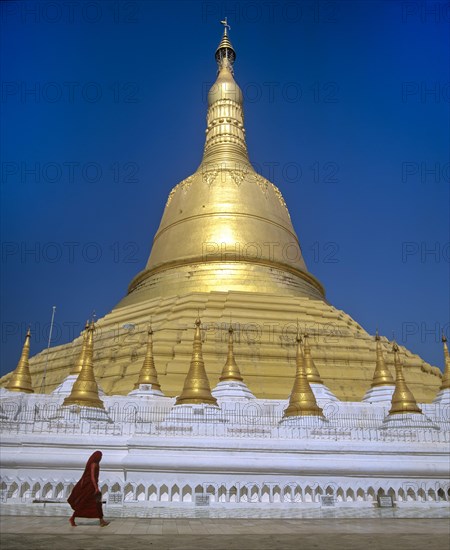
(322, 393)
(379, 394)
(409, 420)
(232, 390)
(146, 390)
(443, 397)
(65, 388)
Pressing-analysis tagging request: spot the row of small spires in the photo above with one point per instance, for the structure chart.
(196, 389)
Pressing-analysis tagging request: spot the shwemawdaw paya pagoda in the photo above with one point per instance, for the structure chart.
(226, 247)
(305, 405)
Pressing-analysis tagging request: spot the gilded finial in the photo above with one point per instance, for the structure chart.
(445, 385)
(311, 370)
(148, 373)
(403, 400)
(196, 389)
(226, 26)
(85, 389)
(381, 375)
(21, 378)
(302, 401)
(225, 53)
(230, 370)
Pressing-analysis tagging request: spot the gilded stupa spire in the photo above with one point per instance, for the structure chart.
(230, 370)
(85, 389)
(196, 389)
(403, 400)
(311, 370)
(446, 377)
(302, 401)
(21, 378)
(381, 375)
(80, 360)
(225, 133)
(148, 374)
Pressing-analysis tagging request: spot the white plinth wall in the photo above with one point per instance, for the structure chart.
(237, 455)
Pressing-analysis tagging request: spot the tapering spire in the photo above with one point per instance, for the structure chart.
(196, 389)
(403, 400)
(302, 401)
(80, 360)
(148, 373)
(85, 389)
(21, 378)
(225, 133)
(445, 385)
(311, 370)
(381, 375)
(230, 370)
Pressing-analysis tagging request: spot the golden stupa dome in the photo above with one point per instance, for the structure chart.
(225, 227)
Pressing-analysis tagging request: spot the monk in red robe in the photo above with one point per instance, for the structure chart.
(86, 498)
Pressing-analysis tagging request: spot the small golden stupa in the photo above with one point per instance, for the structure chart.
(403, 400)
(230, 371)
(148, 374)
(20, 379)
(382, 375)
(85, 389)
(196, 389)
(302, 401)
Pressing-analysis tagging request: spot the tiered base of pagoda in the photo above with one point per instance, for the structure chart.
(265, 327)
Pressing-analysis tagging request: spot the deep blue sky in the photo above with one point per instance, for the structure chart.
(121, 87)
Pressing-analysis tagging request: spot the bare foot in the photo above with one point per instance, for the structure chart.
(103, 523)
(72, 522)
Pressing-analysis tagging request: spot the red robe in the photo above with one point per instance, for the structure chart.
(84, 500)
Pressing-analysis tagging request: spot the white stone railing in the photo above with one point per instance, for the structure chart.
(131, 418)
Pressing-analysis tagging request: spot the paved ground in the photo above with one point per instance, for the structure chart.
(54, 533)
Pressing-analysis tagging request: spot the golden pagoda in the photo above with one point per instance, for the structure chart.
(148, 374)
(20, 379)
(382, 375)
(383, 385)
(226, 245)
(302, 401)
(230, 371)
(85, 389)
(403, 400)
(310, 367)
(196, 389)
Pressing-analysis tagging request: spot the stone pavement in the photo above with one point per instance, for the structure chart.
(376, 533)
